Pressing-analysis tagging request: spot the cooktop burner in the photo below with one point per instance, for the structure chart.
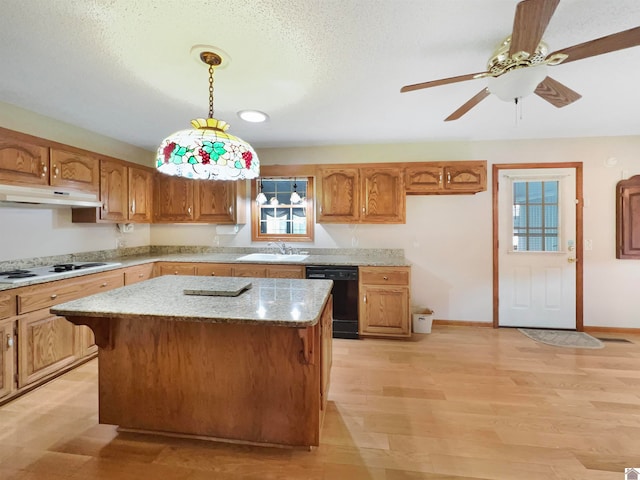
(51, 271)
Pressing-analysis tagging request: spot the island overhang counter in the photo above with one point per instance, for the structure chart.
(247, 368)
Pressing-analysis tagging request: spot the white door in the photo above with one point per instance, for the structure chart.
(536, 248)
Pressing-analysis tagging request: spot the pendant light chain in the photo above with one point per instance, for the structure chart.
(210, 91)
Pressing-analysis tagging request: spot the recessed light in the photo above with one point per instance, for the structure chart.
(253, 116)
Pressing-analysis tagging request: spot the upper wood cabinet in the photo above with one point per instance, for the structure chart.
(140, 194)
(361, 195)
(125, 192)
(23, 162)
(74, 170)
(446, 178)
(179, 199)
(628, 218)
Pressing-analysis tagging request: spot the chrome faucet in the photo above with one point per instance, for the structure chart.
(281, 246)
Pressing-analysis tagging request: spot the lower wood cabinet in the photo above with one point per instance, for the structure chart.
(384, 301)
(46, 343)
(7, 357)
(138, 273)
(214, 270)
(256, 270)
(176, 268)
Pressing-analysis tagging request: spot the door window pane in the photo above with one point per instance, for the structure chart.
(535, 216)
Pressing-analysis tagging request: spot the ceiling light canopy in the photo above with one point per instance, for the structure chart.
(207, 151)
(253, 116)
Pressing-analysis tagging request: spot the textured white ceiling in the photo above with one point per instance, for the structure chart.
(326, 71)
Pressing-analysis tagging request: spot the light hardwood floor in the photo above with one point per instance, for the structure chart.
(460, 403)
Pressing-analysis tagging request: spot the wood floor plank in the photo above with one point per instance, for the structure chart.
(462, 403)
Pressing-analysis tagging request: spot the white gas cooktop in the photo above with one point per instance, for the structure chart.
(50, 272)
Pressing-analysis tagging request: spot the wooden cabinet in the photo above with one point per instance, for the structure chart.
(252, 270)
(26, 160)
(7, 304)
(175, 268)
(139, 273)
(74, 170)
(46, 343)
(215, 270)
(446, 178)
(126, 193)
(140, 197)
(285, 271)
(361, 195)
(628, 218)
(338, 195)
(180, 199)
(7, 357)
(384, 301)
(23, 162)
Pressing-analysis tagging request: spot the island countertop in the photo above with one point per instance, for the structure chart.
(269, 301)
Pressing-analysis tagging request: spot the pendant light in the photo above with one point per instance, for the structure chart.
(207, 151)
(261, 198)
(295, 197)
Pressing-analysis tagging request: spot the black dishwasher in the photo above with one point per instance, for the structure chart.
(345, 296)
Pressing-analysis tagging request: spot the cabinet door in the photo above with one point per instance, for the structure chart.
(465, 178)
(7, 304)
(176, 269)
(215, 201)
(383, 197)
(327, 352)
(140, 194)
(285, 271)
(173, 199)
(384, 311)
(113, 191)
(74, 170)
(420, 179)
(138, 273)
(87, 341)
(23, 163)
(214, 270)
(259, 271)
(628, 218)
(338, 195)
(46, 343)
(7, 358)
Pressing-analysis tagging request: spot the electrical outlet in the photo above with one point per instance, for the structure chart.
(588, 244)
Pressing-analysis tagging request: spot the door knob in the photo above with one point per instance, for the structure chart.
(571, 260)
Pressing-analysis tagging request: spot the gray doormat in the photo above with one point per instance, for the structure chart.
(562, 338)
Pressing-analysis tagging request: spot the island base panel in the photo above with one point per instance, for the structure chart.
(228, 381)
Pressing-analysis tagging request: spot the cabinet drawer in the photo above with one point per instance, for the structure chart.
(52, 293)
(138, 273)
(384, 276)
(286, 271)
(7, 304)
(214, 270)
(259, 271)
(176, 269)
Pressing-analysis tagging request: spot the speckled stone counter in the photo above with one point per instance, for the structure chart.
(253, 368)
(283, 302)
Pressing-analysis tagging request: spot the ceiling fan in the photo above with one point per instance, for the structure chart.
(518, 66)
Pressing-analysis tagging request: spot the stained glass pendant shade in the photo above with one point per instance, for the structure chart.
(207, 151)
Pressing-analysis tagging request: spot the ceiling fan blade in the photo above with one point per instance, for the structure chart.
(529, 24)
(484, 93)
(610, 43)
(442, 81)
(556, 93)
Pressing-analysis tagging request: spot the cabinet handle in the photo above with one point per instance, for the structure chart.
(364, 298)
(385, 277)
(133, 206)
(320, 208)
(9, 341)
(104, 284)
(44, 170)
(213, 274)
(189, 210)
(54, 296)
(55, 171)
(230, 210)
(104, 207)
(440, 179)
(140, 275)
(448, 177)
(363, 210)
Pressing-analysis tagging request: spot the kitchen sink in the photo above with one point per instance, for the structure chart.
(272, 257)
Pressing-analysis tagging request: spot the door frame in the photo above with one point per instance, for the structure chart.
(579, 232)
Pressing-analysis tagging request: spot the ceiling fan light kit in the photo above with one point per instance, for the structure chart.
(518, 67)
(207, 152)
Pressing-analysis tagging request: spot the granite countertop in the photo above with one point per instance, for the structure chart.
(353, 258)
(269, 301)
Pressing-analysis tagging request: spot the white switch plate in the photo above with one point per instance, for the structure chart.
(588, 244)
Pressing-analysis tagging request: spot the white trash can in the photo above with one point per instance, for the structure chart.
(422, 320)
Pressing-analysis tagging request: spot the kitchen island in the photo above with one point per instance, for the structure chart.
(248, 368)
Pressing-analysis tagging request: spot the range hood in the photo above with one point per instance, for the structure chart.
(46, 197)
